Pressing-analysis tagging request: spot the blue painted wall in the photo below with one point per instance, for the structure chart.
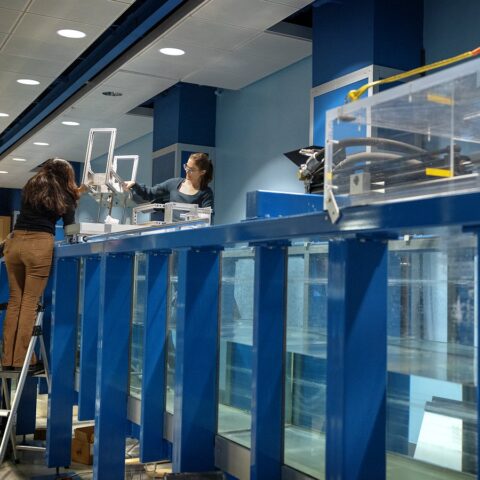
(255, 126)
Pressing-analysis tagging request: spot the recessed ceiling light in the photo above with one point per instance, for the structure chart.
(172, 51)
(67, 33)
(27, 81)
(18, 159)
(41, 144)
(3, 171)
(71, 124)
(112, 94)
(4, 115)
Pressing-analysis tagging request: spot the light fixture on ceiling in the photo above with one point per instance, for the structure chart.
(18, 159)
(68, 33)
(28, 81)
(3, 171)
(4, 115)
(174, 52)
(112, 94)
(70, 123)
(41, 144)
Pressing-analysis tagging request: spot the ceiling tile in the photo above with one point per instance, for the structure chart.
(255, 14)
(30, 66)
(233, 71)
(271, 45)
(19, 5)
(8, 19)
(92, 12)
(10, 87)
(136, 89)
(154, 63)
(208, 34)
(36, 37)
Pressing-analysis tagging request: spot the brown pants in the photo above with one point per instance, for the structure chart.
(28, 258)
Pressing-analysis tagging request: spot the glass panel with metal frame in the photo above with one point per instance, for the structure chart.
(171, 330)
(305, 358)
(236, 339)
(138, 319)
(416, 140)
(432, 358)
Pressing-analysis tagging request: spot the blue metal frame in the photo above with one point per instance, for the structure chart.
(390, 219)
(89, 339)
(195, 402)
(356, 312)
(62, 363)
(356, 359)
(152, 444)
(268, 369)
(264, 204)
(112, 366)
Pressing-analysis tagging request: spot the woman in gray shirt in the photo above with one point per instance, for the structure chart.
(193, 189)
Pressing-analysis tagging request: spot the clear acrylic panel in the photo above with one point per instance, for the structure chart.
(139, 297)
(418, 139)
(305, 361)
(236, 339)
(432, 358)
(171, 330)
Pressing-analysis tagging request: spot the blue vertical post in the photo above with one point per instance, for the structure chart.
(46, 328)
(112, 366)
(357, 359)
(268, 361)
(89, 338)
(152, 443)
(195, 419)
(62, 362)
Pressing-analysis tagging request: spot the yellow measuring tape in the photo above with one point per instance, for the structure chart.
(356, 94)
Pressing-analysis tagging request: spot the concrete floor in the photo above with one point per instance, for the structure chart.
(32, 465)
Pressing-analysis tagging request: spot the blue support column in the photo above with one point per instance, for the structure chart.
(88, 339)
(152, 444)
(62, 362)
(112, 366)
(47, 323)
(195, 419)
(357, 360)
(268, 361)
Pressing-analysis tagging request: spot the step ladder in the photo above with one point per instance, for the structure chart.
(11, 408)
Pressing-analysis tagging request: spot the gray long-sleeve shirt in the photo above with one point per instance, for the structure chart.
(168, 191)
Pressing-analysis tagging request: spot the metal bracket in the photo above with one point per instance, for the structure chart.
(332, 207)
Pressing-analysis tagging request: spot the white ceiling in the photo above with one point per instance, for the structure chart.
(225, 42)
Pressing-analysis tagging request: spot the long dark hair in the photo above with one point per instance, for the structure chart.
(53, 188)
(202, 162)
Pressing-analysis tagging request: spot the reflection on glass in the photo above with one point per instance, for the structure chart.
(236, 337)
(80, 308)
(138, 319)
(306, 354)
(432, 355)
(171, 329)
